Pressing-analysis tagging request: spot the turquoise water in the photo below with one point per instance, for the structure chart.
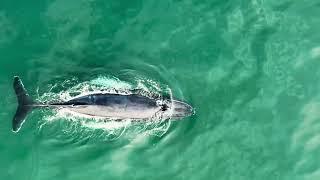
(249, 68)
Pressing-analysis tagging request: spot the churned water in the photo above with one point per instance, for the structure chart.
(250, 68)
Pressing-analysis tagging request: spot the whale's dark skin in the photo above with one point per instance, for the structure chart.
(105, 105)
(111, 100)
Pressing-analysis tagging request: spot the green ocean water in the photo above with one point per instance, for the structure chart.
(251, 69)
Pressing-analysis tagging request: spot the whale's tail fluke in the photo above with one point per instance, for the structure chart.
(25, 104)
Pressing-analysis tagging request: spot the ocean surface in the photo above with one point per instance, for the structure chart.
(250, 68)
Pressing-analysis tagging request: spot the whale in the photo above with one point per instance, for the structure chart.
(112, 106)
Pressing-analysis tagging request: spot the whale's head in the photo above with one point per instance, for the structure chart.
(177, 109)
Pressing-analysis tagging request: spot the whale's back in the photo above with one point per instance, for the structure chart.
(115, 106)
